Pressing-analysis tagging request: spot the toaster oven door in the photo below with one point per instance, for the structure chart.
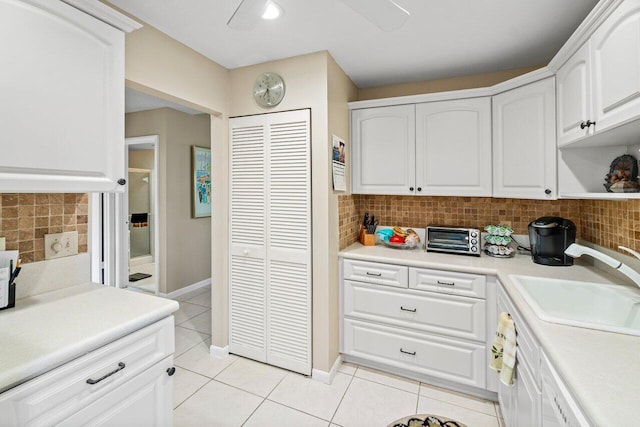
(448, 240)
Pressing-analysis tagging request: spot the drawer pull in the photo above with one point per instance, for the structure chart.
(440, 282)
(121, 366)
(412, 310)
(410, 353)
(374, 274)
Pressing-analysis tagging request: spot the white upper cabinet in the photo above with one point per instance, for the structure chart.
(383, 156)
(599, 86)
(615, 48)
(524, 142)
(453, 147)
(62, 103)
(574, 97)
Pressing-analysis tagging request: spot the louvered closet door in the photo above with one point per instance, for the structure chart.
(271, 191)
(289, 242)
(247, 293)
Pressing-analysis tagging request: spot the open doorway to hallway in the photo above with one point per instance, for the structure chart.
(142, 213)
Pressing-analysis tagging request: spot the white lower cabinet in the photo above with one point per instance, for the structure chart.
(559, 409)
(409, 323)
(520, 402)
(126, 382)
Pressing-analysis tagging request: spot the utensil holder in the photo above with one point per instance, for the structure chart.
(366, 239)
(12, 297)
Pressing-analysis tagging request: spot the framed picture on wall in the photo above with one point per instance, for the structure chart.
(201, 182)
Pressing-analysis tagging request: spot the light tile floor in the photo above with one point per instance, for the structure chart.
(240, 392)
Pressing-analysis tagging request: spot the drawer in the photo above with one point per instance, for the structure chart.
(448, 282)
(54, 396)
(446, 358)
(444, 314)
(528, 347)
(378, 273)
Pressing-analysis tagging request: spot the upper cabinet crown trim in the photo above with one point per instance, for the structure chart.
(585, 30)
(105, 14)
(531, 77)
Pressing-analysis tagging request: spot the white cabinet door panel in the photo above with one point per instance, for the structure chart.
(574, 96)
(528, 398)
(453, 148)
(62, 104)
(383, 150)
(616, 67)
(524, 142)
(145, 401)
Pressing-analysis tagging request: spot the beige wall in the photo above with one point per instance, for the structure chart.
(341, 91)
(176, 132)
(442, 85)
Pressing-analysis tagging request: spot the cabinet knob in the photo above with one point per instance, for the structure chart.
(171, 371)
(410, 188)
(245, 252)
(587, 124)
(122, 181)
(419, 188)
(547, 191)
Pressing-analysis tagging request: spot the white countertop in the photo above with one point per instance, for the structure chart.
(601, 369)
(50, 329)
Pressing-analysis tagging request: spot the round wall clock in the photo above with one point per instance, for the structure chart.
(268, 90)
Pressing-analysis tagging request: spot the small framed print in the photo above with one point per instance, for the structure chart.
(201, 182)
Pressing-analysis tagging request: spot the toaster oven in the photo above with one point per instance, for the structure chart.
(453, 240)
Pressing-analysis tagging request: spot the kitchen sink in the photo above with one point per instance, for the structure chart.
(613, 308)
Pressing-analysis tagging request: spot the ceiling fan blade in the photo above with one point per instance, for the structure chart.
(247, 14)
(385, 14)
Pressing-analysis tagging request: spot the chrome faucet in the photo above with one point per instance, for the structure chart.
(575, 250)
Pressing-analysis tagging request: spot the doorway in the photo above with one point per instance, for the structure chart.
(140, 208)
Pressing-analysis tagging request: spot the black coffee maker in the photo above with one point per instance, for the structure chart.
(549, 237)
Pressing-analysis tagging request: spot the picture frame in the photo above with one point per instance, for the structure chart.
(200, 182)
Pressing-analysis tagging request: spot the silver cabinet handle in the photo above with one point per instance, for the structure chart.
(121, 366)
(374, 274)
(412, 310)
(410, 353)
(446, 283)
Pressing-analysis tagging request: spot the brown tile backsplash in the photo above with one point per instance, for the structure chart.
(25, 219)
(603, 222)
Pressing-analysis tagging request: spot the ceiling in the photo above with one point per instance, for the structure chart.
(442, 38)
(137, 101)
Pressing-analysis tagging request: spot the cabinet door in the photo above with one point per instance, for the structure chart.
(528, 398)
(145, 400)
(524, 142)
(615, 57)
(573, 82)
(62, 103)
(383, 160)
(453, 148)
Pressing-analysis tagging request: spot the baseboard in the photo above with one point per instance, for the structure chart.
(219, 352)
(327, 377)
(187, 289)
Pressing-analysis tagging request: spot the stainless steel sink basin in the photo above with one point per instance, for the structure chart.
(613, 308)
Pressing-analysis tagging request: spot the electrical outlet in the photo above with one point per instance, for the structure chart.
(60, 244)
(505, 222)
(3, 244)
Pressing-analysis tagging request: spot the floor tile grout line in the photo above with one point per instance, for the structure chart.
(387, 385)
(253, 412)
(342, 398)
(191, 395)
(297, 410)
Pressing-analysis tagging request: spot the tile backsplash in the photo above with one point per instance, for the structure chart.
(606, 223)
(26, 217)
